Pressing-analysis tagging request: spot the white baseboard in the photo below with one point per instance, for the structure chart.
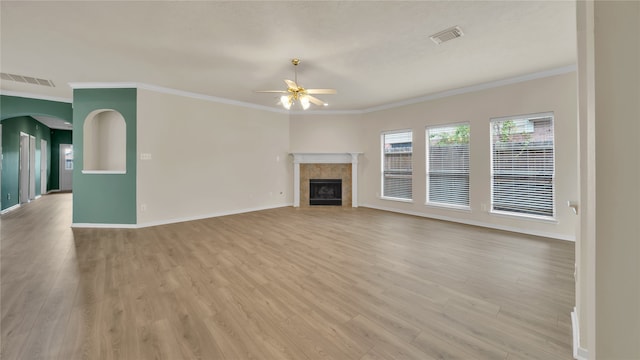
(9, 209)
(475, 223)
(176, 220)
(211, 215)
(582, 354)
(240, 211)
(103, 226)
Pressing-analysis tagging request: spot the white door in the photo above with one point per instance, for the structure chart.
(1, 158)
(44, 164)
(66, 166)
(24, 168)
(32, 167)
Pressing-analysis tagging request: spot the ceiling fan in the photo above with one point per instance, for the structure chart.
(296, 93)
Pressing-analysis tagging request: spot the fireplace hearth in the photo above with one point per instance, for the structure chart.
(325, 192)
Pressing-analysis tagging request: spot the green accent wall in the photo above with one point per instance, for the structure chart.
(15, 106)
(104, 198)
(11, 128)
(15, 116)
(57, 137)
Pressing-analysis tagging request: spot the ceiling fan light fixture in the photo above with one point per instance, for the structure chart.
(298, 94)
(304, 101)
(286, 101)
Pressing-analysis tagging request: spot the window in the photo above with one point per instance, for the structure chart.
(523, 170)
(397, 168)
(448, 165)
(68, 158)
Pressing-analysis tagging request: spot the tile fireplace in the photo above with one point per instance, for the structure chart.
(325, 166)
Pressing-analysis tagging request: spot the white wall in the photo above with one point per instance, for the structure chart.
(208, 158)
(362, 133)
(326, 133)
(617, 172)
(585, 235)
(91, 134)
(112, 144)
(105, 144)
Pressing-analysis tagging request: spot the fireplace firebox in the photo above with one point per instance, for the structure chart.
(325, 192)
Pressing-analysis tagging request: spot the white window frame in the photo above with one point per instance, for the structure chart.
(428, 201)
(553, 177)
(382, 164)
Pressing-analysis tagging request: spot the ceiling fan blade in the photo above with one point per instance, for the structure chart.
(321, 91)
(291, 84)
(315, 100)
(272, 91)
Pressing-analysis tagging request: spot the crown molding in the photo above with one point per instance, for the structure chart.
(474, 88)
(170, 91)
(102, 85)
(326, 112)
(216, 99)
(434, 96)
(447, 93)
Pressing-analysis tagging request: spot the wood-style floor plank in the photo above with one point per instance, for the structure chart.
(316, 283)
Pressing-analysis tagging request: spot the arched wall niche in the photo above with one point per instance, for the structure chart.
(105, 142)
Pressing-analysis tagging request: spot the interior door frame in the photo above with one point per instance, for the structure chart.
(44, 166)
(1, 160)
(23, 169)
(32, 167)
(64, 172)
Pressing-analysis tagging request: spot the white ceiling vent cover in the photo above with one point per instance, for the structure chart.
(26, 79)
(446, 35)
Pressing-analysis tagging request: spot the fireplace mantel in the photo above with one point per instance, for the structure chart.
(325, 158)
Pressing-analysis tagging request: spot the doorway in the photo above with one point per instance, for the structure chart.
(24, 168)
(1, 160)
(44, 161)
(32, 167)
(66, 167)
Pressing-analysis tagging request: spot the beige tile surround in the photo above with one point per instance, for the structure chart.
(325, 171)
(322, 165)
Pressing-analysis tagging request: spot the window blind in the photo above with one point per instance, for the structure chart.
(397, 168)
(448, 165)
(523, 167)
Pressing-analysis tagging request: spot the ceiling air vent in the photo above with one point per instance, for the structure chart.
(446, 35)
(26, 79)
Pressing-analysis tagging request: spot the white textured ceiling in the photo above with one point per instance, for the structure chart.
(373, 53)
(53, 123)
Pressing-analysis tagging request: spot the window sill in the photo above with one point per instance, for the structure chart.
(449, 206)
(104, 172)
(535, 218)
(396, 199)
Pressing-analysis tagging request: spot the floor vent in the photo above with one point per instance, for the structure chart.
(26, 79)
(446, 35)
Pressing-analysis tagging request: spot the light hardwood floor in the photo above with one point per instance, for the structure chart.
(319, 283)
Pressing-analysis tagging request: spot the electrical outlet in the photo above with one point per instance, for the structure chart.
(8, 196)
